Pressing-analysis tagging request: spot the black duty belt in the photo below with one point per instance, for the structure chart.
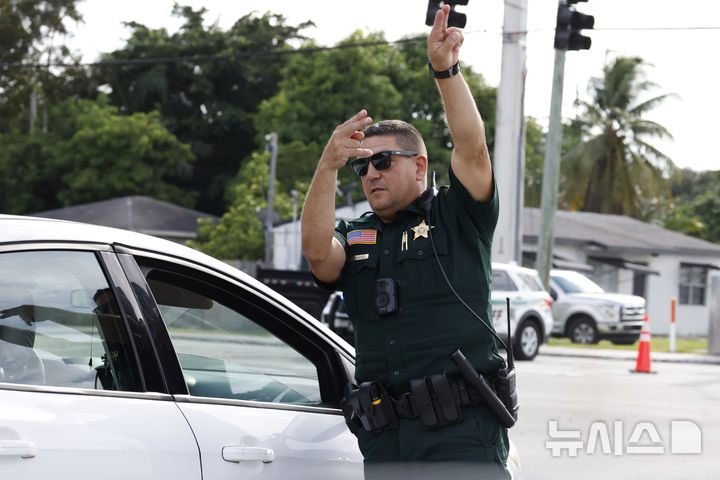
(443, 394)
(436, 400)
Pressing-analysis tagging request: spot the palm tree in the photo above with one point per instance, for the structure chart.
(612, 168)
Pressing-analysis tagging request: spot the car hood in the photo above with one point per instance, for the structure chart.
(620, 298)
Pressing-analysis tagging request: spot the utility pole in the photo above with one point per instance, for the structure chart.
(567, 37)
(551, 173)
(509, 154)
(272, 139)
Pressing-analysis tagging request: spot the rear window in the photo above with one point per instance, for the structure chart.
(532, 281)
(502, 281)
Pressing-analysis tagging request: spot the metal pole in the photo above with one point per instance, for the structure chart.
(272, 138)
(509, 154)
(672, 325)
(551, 173)
(714, 316)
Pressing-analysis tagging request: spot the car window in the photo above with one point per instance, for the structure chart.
(502, 281)
(532, 281)
(60, 324)
(224, 353)
(573, 282)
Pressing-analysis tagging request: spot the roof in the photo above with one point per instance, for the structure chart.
(25, 230)
(136, 213)
(615, 233)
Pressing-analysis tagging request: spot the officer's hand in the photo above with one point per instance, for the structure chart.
(443, 45)
(345, 141)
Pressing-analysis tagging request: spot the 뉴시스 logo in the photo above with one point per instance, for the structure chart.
(685, 437)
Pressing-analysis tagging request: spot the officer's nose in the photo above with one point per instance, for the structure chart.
(372, 172)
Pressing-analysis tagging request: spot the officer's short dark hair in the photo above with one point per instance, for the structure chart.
(407, 136)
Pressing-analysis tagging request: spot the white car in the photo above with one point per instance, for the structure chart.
(531, 318)
(127, 356)
(586, 313)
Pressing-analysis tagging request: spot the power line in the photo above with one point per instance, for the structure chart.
(308, 50)
(210, 58)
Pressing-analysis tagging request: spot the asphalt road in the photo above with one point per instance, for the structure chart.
(627, 418)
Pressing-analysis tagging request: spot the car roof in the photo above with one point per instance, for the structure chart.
(514, 267)
(21, 229)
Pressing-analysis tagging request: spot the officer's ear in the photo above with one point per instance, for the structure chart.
(421, 166)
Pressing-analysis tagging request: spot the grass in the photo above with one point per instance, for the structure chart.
(657, 344)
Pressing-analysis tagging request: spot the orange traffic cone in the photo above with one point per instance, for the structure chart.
(643, 358)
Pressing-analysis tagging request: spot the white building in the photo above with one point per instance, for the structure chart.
(618, 252)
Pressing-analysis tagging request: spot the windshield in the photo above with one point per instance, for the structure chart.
(573, 282)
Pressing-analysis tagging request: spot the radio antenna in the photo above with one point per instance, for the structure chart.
(510, 359)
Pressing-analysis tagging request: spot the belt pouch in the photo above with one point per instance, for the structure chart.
(376, 410)
(423, 403)
(447, 408)
(348, 408)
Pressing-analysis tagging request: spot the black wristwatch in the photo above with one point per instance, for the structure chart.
(454, 70)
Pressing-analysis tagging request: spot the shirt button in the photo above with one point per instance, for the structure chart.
(386, 252)
(396, 373)
(420, 252)
(392, 342)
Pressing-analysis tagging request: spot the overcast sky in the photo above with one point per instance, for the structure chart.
(679, 39)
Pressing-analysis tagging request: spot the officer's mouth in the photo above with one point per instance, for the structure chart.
(377, 188)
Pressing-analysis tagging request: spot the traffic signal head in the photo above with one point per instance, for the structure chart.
(456, 19)
(568, 26)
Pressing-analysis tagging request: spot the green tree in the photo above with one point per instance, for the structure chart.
(31, 34)
(613, 169)
(109, 155)
(534, 162)
(323, 89)
(696, 206)
(91, 153)
(240, 234)
(29, 177)
(207, 103)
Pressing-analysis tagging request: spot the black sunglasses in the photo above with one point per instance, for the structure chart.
(380, 161)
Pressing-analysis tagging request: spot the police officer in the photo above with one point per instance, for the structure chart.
(406, 320)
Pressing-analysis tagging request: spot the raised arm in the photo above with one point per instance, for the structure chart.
(470, 157)
(324, 253)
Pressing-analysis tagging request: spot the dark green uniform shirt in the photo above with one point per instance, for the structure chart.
(419, 339)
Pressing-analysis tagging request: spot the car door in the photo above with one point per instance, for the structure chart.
(261, 383)
(81, 395)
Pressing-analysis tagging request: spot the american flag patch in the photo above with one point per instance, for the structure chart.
(364, 237)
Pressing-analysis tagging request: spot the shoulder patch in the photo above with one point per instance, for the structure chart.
(363, 237)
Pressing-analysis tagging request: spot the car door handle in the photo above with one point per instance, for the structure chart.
(243, 454)
(17, 448)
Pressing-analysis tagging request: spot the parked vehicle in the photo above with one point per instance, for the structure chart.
(336, 318)
(131, 356)
(531, 318)
(586, 313)
(530, 309)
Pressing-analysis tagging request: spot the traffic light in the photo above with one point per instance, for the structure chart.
(456, 19)
(568, 26)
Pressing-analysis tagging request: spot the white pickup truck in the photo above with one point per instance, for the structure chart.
(586, 313)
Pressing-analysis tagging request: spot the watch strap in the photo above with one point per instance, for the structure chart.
(451, 72)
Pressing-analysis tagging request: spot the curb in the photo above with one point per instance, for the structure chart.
(628, 355)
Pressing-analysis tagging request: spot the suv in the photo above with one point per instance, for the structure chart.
(531, 318)
(586, 313)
